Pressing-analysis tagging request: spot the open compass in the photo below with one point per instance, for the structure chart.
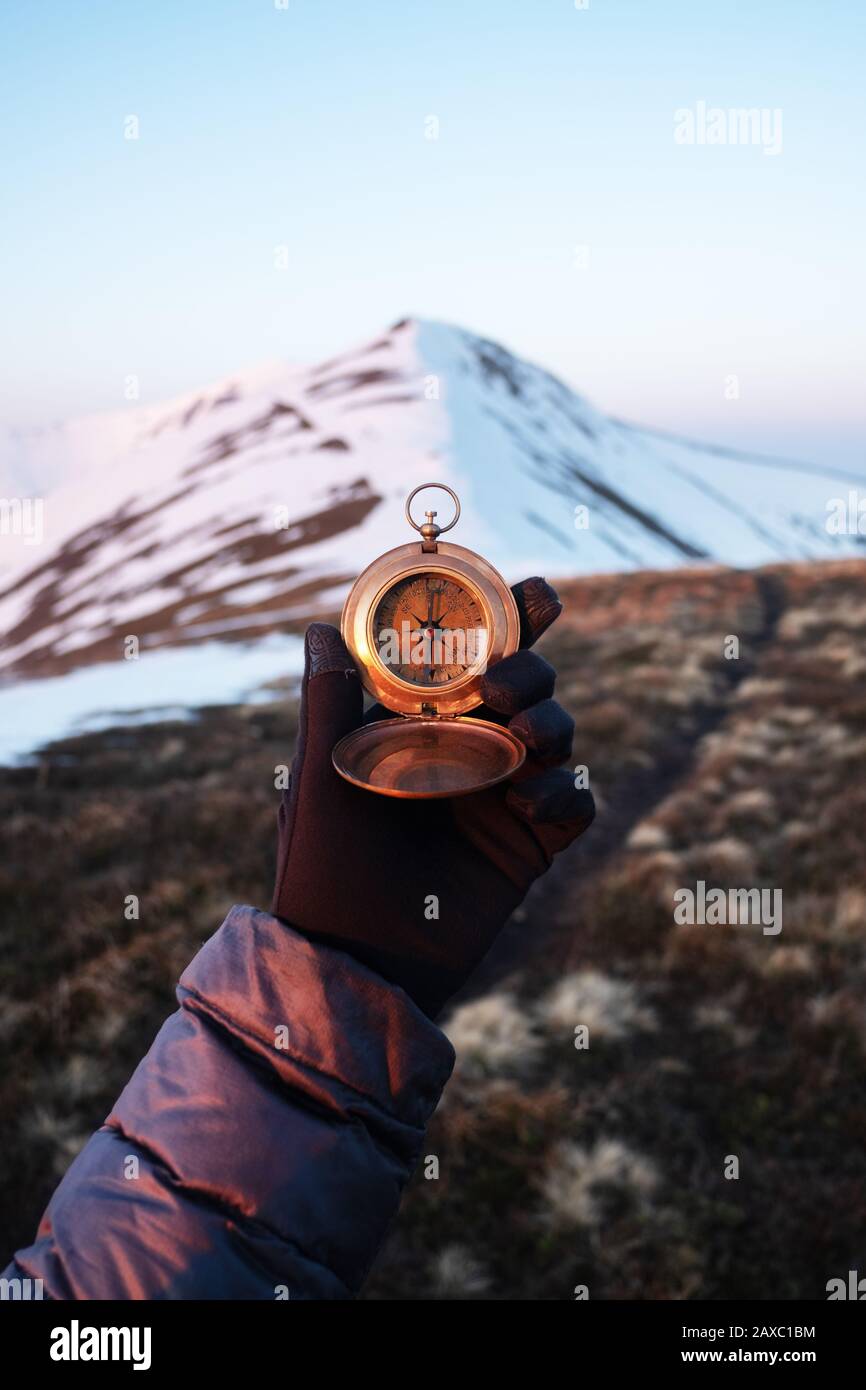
(423, 623)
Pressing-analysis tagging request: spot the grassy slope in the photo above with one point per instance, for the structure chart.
(557, 1166)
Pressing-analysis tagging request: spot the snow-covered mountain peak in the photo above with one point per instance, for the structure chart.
(250, 506)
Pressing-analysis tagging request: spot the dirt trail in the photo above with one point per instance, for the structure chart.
(629, 802)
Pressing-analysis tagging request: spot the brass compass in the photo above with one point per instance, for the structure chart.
(423, 622)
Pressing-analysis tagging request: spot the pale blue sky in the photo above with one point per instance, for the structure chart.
(305, 127)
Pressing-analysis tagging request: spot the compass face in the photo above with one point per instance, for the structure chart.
(429, 630)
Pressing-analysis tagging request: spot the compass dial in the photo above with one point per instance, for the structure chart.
(429, 630)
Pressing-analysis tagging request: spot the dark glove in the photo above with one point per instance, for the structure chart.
(418, 890)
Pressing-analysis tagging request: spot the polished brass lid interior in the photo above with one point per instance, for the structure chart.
(428, 757)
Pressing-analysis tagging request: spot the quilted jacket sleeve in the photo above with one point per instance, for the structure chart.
(260, 1149)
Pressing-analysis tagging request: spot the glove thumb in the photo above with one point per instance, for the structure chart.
(331, 697)
(331, 704)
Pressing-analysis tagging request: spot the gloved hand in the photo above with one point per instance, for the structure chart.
(357, 870)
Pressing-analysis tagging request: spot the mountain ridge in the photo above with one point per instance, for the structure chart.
(250, 506)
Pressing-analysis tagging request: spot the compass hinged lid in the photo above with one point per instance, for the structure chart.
(428, 758)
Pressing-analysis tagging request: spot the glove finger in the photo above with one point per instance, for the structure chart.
(551, 799)
(517, 682)
(547, 730)
(538, 605)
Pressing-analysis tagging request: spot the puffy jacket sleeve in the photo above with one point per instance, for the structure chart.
(260, 1149)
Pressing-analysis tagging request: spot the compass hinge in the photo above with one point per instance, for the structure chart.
(430, 533)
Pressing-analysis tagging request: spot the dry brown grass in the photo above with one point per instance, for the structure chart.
(705, 1041)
